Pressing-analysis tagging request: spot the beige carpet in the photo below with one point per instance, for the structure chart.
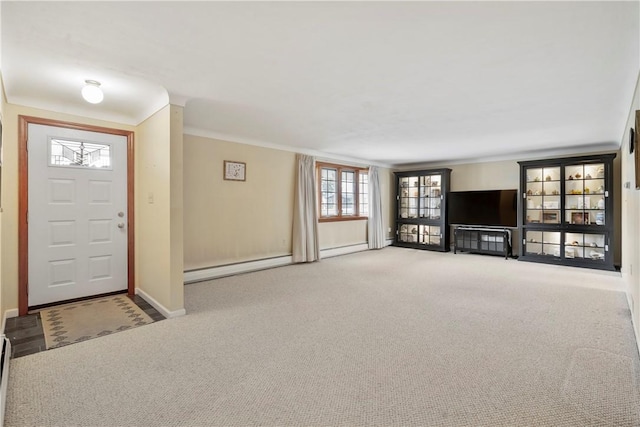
(81, 321)
(395, 337)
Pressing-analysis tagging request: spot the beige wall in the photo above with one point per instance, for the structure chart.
(3, 103)
(158, 159)
(630, 202)
(485, 176)
(228, 222)
(9, 202)
(235, 221)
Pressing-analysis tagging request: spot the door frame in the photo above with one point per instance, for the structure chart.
(23, 201)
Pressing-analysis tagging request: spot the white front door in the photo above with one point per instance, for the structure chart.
(77, 218)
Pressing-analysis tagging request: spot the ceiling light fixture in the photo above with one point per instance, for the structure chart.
(91, 92)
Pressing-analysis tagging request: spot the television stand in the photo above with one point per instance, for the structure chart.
(482, 240)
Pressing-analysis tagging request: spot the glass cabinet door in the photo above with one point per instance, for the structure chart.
(430, 196)
(543, 243)
(585, 246)
(408, 197)
(542, 196)
(585, 194)
(429, 235)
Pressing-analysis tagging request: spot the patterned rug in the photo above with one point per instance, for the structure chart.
(81, 321)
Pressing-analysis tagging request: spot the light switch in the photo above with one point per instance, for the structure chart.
(150, 198)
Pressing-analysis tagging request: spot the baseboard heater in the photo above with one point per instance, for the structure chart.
(4, 374)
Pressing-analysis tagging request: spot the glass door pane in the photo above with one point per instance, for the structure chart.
(543, 196)
(585, 194)
(545, 243)
(409, 194)
(585, 246)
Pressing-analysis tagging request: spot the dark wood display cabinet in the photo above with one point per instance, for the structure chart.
(421, 209)
(567, 211)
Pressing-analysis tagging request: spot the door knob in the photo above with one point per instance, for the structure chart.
(121, 225)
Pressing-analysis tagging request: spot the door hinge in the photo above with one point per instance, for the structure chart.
(524, 241)
(606, 194)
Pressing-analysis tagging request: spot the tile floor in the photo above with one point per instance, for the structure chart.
(27, 337)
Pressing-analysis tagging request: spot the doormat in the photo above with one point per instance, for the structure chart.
(84, 320)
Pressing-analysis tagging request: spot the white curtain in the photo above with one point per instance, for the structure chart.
(306, 247)
(376, 228)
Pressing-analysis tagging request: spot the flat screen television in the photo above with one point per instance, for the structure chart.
(489, 207)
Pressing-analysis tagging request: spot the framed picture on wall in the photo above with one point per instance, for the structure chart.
(234, 171)
(637, 152)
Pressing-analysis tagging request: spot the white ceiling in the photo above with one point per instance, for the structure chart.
(386, 82)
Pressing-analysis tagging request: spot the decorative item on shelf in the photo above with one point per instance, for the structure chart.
(533, 241)
(600, 172)
(596, 255)
(580, 218)
(569, 253)
(575, 243)
(414, 230)
(536, 179)
(600, 189)
(588, 176)
(555, 192)
(537, 193)
(529, 193)
(530, 203)
(600, 218)
(415, 183)
(434, 182)
(578, 175)
(403, 215)
(601, 203)
(547, 178)
(405, 193)
(593, 244)
(403, 184)
(570, 178)
(586, 190)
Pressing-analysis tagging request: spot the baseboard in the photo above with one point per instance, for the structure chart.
(343, 250)
(161, 308)
(233, 269)
(8, 314)
(203, 274)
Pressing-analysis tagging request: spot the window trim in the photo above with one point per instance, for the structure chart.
(340, 168)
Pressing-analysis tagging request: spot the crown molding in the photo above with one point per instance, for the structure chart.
(320, 155)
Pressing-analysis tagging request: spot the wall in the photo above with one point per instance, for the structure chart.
(9, 202)
(3, 103)
(229, 222)
(235, 221)
(159, 257)
(630, 201)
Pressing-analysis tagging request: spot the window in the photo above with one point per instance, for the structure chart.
(343, 192)
(79, 154)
